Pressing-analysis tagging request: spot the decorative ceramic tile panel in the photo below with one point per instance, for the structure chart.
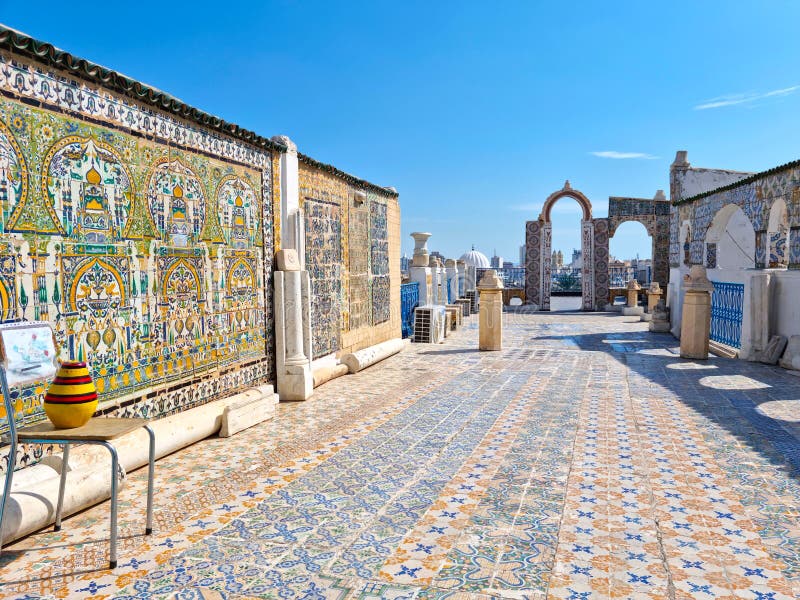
(323, 225)
(794, 248)
(381, 301)
(600, 263)
(149, 255)
(379, 237)
(711, 255)
(533, 253)
(359, 299)
(379, 245)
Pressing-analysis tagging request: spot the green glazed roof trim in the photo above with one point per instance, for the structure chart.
(52, 56)
(351, 179)
(735, 184)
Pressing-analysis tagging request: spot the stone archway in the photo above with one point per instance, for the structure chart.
(538, 252)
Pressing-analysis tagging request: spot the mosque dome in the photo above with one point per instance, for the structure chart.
(473, 258)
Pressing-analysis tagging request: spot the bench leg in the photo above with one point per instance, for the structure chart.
(12, 450)
(62, 484)
(151, 471)
(12, 457)
(114, 490)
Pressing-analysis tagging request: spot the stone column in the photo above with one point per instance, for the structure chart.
(633, 293)
(291, 222)
(292, 328)
(654, 294)
(437, 277)
(632, 307)
(419, 270)
(696, 318)
(461, 269)
(451, 276)
(490, 320)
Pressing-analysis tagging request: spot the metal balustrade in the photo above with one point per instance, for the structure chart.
(409, 300)
(727, 309)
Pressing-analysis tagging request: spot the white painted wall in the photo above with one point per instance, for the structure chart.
(755, 320)
(784, 306)
(736, 248)
(696, 181)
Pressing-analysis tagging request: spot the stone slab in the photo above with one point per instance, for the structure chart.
(791, 357)
(772, 353)
(245, 413)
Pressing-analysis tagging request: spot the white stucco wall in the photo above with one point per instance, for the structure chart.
(696, 181)
(784, 306)
(736, 248)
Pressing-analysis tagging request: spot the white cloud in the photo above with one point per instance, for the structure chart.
(733, 99)
(618, 155)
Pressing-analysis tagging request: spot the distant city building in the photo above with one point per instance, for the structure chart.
(405, 263)
(477, 259)
(438, 255)
(558, 259)
(522, 255)
(577, 260)
(508, 265)
(497, 261)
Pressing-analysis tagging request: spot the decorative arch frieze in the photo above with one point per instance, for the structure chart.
(538, 244)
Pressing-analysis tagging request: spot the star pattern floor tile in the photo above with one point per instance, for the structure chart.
(585, 460)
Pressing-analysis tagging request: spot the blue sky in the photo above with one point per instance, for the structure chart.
(474, 111)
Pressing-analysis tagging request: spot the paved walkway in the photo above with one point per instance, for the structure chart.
(584, 461)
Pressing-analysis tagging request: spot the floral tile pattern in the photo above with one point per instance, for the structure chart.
(586, 460)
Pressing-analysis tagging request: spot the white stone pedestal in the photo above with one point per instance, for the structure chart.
(424, 277)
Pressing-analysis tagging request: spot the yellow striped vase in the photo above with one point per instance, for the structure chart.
(71, 398)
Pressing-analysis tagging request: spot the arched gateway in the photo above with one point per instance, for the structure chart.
(594, 253)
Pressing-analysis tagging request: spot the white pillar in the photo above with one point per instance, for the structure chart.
(451, 277)
(461, 274)
(291, 221)
(292, 328)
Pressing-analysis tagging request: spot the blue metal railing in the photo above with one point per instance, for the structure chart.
(727, 308)
(409, 300)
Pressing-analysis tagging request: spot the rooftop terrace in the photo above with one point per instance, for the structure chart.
(586, 460)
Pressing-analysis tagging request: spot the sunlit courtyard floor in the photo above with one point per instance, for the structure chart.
(586, 460)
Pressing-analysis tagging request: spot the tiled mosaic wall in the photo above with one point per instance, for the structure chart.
(379, 255)
(654, 215)
(347, 257)
(323, 223)
(146, 242)
(600, 263)
(756, 199)
(533, 251)
(358, 265)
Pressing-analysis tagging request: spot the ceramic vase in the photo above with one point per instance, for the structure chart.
(71, 398)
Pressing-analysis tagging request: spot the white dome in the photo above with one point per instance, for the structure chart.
(473, 258)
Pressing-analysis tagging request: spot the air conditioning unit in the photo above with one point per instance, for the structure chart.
(429, 324)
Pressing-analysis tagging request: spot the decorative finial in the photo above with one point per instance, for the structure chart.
(567, 186)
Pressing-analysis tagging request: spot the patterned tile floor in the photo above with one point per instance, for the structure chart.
(586, 460)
